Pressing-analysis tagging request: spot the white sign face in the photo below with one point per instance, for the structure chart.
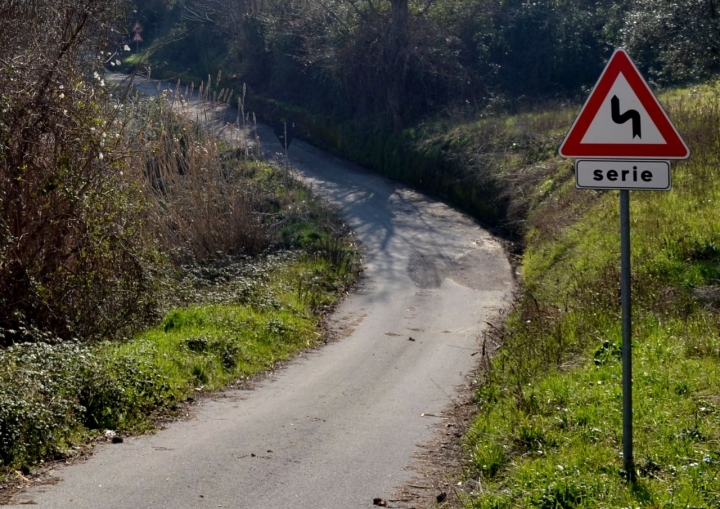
(635, 125)
(637, 175)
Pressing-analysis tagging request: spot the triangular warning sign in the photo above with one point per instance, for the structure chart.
(622, 119)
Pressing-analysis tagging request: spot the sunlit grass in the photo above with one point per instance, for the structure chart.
(563, 446)
(549, 432)
(250, 315)
(207, 346)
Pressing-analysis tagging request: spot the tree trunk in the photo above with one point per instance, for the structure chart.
(398, 53)
(400, 16)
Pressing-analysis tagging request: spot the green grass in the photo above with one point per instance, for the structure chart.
(227, 317)
(248, 315)
(549, 431)
(208, 346)
(561, 447)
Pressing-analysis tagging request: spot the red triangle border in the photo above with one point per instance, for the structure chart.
(572, 146)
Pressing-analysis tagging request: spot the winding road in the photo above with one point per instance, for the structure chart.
(340, 425)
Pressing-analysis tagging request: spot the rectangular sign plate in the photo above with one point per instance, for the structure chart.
(632, 175)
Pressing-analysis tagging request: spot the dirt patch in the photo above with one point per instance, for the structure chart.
(337, 328)
(18, 482)
(439, 467)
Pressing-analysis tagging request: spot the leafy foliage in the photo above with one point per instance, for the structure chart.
(51, 392)
(675, 41)
(227, 319)
(345, 59)
(389, 60)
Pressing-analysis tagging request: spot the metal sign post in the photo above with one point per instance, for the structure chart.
(285, 143)
(285, 133)
(137, 39)
(625, 298)
(622, 139)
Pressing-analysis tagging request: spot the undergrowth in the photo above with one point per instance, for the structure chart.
(239, 316)
(248, 262)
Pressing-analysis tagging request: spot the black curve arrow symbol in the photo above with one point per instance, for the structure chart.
(628, 115)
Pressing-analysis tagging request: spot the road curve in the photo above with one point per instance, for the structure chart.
(338, 426)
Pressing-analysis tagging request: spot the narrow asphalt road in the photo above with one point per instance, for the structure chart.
(338, 426)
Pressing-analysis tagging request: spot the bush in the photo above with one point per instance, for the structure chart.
(74, 258)
(51, 393)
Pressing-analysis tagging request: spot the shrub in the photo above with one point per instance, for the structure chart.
(74, 258)
(50, 392)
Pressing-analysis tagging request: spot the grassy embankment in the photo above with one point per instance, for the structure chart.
(224, 315)
(549, 431)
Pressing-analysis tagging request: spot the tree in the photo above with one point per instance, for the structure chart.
(674, 41)
(397, 48)
(323, 52)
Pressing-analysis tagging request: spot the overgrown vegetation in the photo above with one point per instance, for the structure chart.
(391, 62)
(237, 300)
(549, 432)
(71, 241)
(230, 319)
(141, 259)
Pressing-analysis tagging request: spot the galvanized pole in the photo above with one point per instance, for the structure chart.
(626, 334)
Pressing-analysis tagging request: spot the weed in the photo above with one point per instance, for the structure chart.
(52, 392)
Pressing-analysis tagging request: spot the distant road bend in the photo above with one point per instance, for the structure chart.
(339, 426)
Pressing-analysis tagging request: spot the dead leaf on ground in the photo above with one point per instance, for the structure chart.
(380, 502)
